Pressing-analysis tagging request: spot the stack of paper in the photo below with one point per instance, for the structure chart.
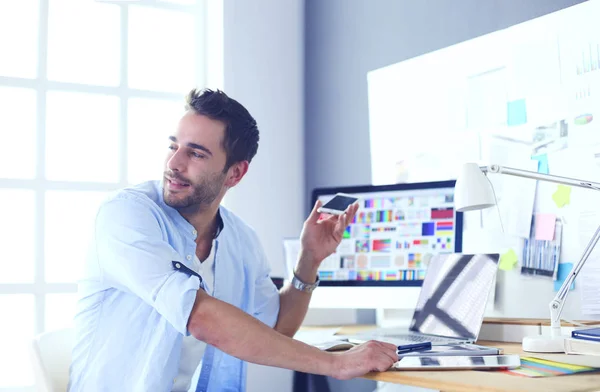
(536, 367)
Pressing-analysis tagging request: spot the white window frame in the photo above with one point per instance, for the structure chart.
(40, 185)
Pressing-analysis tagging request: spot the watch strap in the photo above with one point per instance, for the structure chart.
(306, 287)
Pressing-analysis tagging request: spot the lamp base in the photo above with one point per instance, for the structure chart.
(544, 344)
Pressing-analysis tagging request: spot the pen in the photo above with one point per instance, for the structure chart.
(413, 347)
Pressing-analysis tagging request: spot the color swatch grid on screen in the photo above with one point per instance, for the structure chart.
(394, 237)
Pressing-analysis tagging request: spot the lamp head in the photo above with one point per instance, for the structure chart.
(473, 190)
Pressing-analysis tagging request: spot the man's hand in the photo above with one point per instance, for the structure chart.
(237, 333)
(365, 358)
(320, 238)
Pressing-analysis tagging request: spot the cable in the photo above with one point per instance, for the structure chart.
(496, 202)
(574, 322)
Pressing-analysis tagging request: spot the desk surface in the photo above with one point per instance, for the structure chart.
(483, 381)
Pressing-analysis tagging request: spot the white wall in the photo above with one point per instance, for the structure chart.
(347, 38)
(263, 62)
(264, 70)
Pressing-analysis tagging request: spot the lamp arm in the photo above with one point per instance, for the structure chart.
(557, 304)
(540, 176)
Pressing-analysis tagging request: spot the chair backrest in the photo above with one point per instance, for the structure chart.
(51, 357)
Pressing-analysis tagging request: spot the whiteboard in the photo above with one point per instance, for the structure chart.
(529, 90)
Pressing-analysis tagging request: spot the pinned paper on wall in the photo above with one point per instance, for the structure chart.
(515, 195)
(562, 196)
(544, 226)
(589, 276)
(542, 163)
(516, 113)
(508, 260)
(563, 272)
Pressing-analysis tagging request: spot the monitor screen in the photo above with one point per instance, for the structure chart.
(396, 231)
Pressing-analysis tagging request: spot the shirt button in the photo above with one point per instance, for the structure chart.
(194, 232)
(189, 257)
(177, 265)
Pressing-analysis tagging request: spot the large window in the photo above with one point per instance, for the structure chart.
(89, 91)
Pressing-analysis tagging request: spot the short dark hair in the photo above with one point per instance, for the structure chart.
(241, 132)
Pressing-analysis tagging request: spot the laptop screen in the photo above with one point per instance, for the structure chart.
(454, 295)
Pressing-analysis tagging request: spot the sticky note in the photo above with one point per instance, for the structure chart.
(542, 163)
(563, 272)
(516, 113)
(562, 196)
(544, 226)
(508, 260)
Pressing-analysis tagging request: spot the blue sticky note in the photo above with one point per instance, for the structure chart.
(542, 163)
(516, 113)
(563, 272)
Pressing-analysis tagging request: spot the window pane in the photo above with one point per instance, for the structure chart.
(69, 220)
(18, 38)
(84, 42)
(17, 132)
(15, 339)
(17, 226)
(151, 122)
(161, 50)
(82, 140)
(60, 310)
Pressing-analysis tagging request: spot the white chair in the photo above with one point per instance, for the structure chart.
(51, 357)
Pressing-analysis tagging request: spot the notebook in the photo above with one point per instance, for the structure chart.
(581, 346)
(451, 303)
(587, 334)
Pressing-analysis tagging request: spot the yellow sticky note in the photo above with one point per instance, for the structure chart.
(508, 260)
(562, 196)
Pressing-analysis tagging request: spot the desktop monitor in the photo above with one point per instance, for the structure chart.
(384, 253)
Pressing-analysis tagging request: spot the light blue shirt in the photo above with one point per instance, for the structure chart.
(138, 291)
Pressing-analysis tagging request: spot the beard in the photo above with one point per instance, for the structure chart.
(201, 193)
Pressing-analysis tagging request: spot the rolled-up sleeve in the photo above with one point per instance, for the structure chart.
(134, 257)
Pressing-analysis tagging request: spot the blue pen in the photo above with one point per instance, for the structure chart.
(407, 348)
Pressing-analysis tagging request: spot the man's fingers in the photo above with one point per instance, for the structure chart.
(342, 222)
(314, 214)
(329, 218)
(388, 346)
(389, 350)
(381, 363)
(392, 354)
(351, 211)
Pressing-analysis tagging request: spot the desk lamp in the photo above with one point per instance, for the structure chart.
(474, 192)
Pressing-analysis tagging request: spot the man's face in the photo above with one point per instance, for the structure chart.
(195, 162)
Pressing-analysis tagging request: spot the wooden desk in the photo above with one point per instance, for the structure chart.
(483, 381)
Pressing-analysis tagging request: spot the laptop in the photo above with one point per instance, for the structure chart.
(451, 303)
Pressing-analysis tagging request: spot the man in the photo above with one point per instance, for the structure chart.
(173, 280)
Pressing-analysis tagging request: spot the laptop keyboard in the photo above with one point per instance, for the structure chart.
(417, 338)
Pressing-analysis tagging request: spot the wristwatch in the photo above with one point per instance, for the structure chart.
(306, 287)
